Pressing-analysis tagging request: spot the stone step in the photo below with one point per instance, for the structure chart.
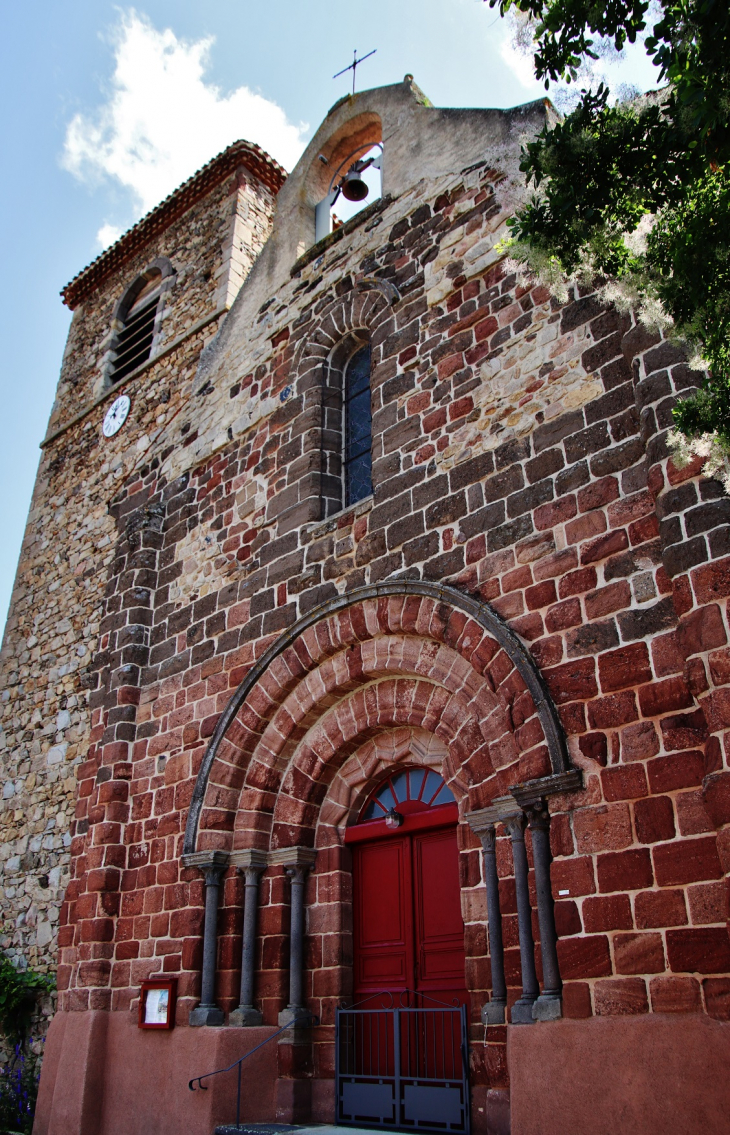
(294, 1128)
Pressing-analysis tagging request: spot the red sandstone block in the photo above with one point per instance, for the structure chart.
(717, 997)
(517, 579)
(624, 870)
(660, 908)
(642, 530)
(708, 902)
(595, 747)
(701, 630)
(664, 697)
(584, 957)
(584, 527)
(567, 919)
(639, 953)
(572, 680)
(699, 950)
(605, 826)
(606, 600)
(719, 661)
(684, 730)
(612, 711)
(607, 912)
(675, 995)
(639, 741)
(716, 796)
(576, 1000)
(654, 819)
(572, 875)
(693, 817)
(624, 782)
(711, 581)
(556, 565)
(557, 512)
(540, 595)
(604, 546)
(573, 718)
(680, 770)
(598, 494)
(561, 837)
(716, 708)
(620, 997)
(687, 861)
(667, 654)
(577, 582)
(563, 615)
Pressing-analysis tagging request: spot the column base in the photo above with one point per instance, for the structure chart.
(548, 1007)
(296, 1017)
(206, 1015)
(245, 1017)
(522, 1012)
(493, 1013)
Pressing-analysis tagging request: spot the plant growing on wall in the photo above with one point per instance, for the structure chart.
(639, 193)
(19, 993)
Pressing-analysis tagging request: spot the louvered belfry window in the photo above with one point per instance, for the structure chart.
(133, 342)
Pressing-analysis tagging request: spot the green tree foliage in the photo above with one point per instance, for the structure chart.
(605, 168)
(19, 993)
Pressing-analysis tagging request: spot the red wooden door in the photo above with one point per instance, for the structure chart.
(408, 931)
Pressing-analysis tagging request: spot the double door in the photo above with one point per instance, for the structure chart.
(408, 929)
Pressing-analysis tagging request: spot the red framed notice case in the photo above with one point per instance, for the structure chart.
(157, 998)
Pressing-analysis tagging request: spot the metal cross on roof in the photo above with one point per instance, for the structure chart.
(353, 66)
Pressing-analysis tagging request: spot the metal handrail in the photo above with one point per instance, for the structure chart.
(239, 1062)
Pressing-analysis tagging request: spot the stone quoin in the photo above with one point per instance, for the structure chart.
(235, 623)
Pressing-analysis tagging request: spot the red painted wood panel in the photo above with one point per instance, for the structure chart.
(408, 930)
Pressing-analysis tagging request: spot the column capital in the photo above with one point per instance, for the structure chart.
(206, 860)
(515, 826)
(500, 811)
(250, 859)
(292, 857)
(538, 815)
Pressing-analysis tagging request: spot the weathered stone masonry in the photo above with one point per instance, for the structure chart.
(519, 457)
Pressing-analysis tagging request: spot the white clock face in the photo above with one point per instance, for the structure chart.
(116, 415)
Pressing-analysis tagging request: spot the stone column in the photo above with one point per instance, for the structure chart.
(212, 864)
(297, 861)
(482, 824)
(250, 863)
(548, 1005)
(522, 1009)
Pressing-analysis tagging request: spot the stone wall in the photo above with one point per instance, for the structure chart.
(53, 626)
(542, 491)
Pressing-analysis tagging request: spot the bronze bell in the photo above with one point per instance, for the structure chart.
(353, 187)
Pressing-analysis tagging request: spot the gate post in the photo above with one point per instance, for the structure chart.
(250, 863)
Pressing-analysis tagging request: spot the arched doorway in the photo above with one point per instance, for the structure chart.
(408, 928)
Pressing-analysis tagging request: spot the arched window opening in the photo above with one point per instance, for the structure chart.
(355, 183)
(133, 341)
(346, 438)
(410, 790)
(358, 428)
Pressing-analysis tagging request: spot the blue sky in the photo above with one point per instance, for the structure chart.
(108, 107)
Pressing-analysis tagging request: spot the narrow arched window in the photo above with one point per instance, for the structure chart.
(137, 315)
(358, 430)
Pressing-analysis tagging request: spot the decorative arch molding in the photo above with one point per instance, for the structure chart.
(563, 776)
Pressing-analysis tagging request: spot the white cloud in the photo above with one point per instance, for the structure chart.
(107, 234)
(162, 120)
(521, 65)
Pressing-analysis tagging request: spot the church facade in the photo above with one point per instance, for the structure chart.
(367, 674)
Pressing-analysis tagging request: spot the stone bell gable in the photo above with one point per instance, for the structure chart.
(530, 603)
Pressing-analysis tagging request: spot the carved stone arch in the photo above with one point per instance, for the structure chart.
(357, 316)
(325, 648)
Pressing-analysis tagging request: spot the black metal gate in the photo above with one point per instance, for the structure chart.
(402, 1067)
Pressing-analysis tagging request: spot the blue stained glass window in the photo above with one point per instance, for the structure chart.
(358, 428)
(427, 788)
